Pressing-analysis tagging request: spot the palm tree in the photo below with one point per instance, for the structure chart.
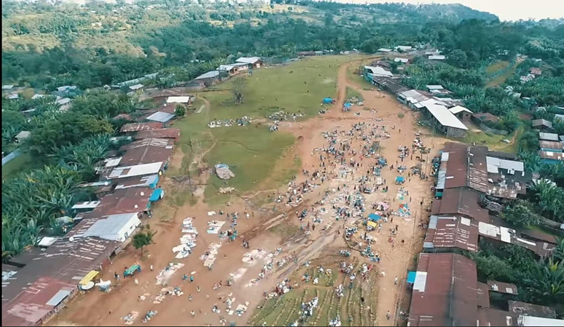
(546, 283)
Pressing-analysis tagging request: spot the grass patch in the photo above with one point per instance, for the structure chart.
(285, 230)
(297, 87)
(501, 78)
(17, 165)
(493, 141)
(352, 93)
(497, 66)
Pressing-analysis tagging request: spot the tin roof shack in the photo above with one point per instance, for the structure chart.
(116, 227)
(548, 137)
(372, 72)
(147, 151)
(413, 99)
(150, 181)
(235, 68)
(444, 120)
(162, 133)
(438, 90)
(542, 124)
(444, 291)
(448, 233)
(122, 201)
(39, 301)
(551, 146)
(209, 78)
(484, 117)
(135, 171)
(252, 62)
(137, 127)
(461, 201)
(550, 157)
(461, 113)
(538, 321)
(389, 84)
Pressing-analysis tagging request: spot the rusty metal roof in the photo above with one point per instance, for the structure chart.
(446, 295)
(463, 201)
(165, 133)
(456, 166)
(36, 302)
(483, 295)
(495, 317)
(452, 232)
(122, 201)
(137, 127)
(146, 151)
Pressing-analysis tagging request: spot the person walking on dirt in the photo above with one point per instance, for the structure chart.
(388, 315)
(191, 278)
(396, 280)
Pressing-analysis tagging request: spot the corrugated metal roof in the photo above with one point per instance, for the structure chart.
(458, 109)
(122, 201)
(109, 228)
(248, 60)
(529, 309)
(443, 115)
(178, 99)
(452, 232)
(137, 170)
(450, 294)
(378, 71)
(147, 151)
(538, 321)
(58, 298)
(502, 287)
(168, 133)
(136, 127)
(161, 116)
(463, 201)
(551, 145)
(210, 74)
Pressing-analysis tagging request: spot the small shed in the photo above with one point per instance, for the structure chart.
(209, 78)
(22, 136)
(548, 137)
(161, 117)
(136, 87)
(436, 57)
(461, 113)
(541, 124)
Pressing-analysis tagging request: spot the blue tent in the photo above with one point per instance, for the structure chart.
(374, 217)
(400, 179)
(411, 277)
(157, 195)
(347, 104)
(327, 100)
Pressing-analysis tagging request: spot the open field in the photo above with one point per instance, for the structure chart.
(497, 66)
(493, 141)
(285, 310)
(501, 78)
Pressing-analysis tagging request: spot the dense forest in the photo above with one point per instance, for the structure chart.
(45, 46)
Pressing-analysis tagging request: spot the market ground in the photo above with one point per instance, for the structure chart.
(97, 308)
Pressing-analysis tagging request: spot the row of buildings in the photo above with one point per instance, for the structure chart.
(243, 64)
(444, 113)
(37, 283)
(473, 185)
(551, 145)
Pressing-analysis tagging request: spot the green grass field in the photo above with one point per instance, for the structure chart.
(493, 141)
(253, 151)
(16, 165)
(497, 66)
(352, 93)
(501, 78)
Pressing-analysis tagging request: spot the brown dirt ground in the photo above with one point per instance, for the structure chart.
(104, 309)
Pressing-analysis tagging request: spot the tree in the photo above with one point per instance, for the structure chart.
(521, 213)
(180, 110)
(238, 89)
(546, 282)
(143, 238)
(457, 58)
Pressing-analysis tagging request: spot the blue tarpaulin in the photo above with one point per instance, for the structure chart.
(327, 100)
(347, 104)
(400, 179)
(157, 195)
(411, 277)
(374, 217)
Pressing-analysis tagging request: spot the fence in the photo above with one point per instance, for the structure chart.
(492, 130)
(10, 157)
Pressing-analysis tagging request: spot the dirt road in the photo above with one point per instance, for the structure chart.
(104, 309)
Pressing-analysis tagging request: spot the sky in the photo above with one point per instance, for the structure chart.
(504, 9)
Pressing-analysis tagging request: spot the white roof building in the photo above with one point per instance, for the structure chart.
(436, 57)
(414, 97)
(403, 47)
(384, 50)
(178, 99)
(435, 87)
(443, 115)
(378, 71)
(558, 117)
(402, 60)
(136, 87)
(248, 60)
(7, 87)
(512, 166)
(458, 109)
(114, 227)
(137, 170)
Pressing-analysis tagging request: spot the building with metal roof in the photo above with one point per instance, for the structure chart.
(162, 133)
(461, 201)
(208, 75)
(541, 124)
(538, 321)
(376, 71)
(179, 99)
(161, 117)
(137, 127)
(147, 151)
(412, 98)
(551, 146)
(550, 157)
(118, 227)
(143, 181)
(548, 136)
(137, 170)
(444, 120)
(448, 233)
(123, 201)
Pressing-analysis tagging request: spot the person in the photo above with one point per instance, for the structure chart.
(191, 278)
(151, 267)
(116, 275)
(193, 313)
(136, 281)
(198, 289)
(190, 297)
(388, 315)
(396, 280)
